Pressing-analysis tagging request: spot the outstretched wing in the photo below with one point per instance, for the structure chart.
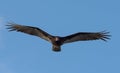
(85, 36)
(29, 30)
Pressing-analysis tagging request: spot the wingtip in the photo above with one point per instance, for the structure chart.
(10, 26)
(105, 35)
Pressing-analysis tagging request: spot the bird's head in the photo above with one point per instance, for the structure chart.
(57, 38)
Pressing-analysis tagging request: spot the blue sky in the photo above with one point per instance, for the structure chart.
(22, 53)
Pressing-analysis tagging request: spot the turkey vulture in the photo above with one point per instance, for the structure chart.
(57, 41)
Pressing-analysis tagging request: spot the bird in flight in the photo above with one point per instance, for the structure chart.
(58, 41)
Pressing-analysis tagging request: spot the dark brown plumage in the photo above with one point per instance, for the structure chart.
(56, 40)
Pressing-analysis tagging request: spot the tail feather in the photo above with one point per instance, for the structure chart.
(56, 48)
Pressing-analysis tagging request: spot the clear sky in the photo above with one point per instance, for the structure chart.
(22, 53)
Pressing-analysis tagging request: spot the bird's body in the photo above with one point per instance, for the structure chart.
(57, 41)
